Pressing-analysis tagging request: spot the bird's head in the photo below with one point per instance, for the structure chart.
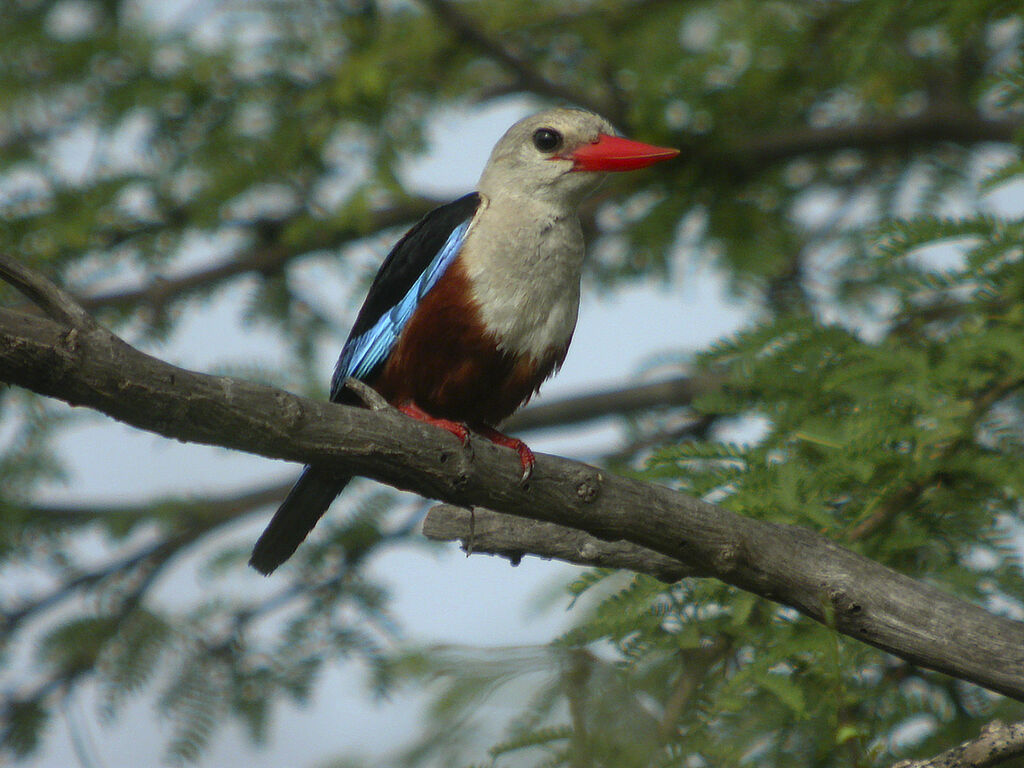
(561, 155)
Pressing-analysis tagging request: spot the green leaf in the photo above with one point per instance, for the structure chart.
(786, 690)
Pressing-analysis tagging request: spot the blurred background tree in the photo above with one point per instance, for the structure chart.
(852, 168)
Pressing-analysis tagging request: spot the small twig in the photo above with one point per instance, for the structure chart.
(527, 74)
(58, 304)
(694, 666)
(369, 396)
(906, 496)
(997, 743)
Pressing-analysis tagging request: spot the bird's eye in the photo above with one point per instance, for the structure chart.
(546, 139)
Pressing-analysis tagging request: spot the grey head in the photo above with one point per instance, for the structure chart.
(533, 158)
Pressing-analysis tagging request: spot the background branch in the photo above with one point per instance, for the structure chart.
(588, 407)
(529, 77)
(264, 258)
(997, 743)
(956, 125)
(748, 154)
(187, 520)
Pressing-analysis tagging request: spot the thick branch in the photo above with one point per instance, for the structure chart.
(511, 537)
(997, 744)
(789, 564)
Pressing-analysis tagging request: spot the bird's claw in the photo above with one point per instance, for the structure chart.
(526, 457)
(457, 428)
(461, 431)
(527, 468)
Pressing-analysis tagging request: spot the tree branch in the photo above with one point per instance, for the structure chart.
(957, 125)
(192, 519)
(265, 258)
(997, 743)
(485, 531)
(177, 509)
(48, 297)
(582, 408)
(792, 565)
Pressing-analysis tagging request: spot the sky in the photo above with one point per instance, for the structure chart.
(439, 595)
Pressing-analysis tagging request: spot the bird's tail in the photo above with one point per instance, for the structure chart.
(304, 505)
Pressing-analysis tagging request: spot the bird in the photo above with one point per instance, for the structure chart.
(475, 306)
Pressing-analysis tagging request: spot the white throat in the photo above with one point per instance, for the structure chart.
(524, 259)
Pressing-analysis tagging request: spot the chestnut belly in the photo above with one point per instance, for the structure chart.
(446, 363)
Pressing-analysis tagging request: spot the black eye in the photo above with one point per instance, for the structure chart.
(546, 139)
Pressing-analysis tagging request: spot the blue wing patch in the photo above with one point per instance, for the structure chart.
(365, 352)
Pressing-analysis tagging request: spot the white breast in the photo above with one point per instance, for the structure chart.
(524, 262)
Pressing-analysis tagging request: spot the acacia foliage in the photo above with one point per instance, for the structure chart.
(827, 149)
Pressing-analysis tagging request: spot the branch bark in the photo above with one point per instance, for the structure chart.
(788, 564)
(488, 532)
(997, 743)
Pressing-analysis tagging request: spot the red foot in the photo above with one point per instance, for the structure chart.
(526, 457)
(461, 431)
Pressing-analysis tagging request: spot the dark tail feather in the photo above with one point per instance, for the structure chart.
(305, 503)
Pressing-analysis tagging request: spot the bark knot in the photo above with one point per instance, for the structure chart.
(459, 480)
(292, 414)
(589, 488)
(588, 551)
(727, 557)
(67, 353)
(69, 341)
(844, 606)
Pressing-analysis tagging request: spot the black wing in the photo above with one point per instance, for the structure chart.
(404, 265)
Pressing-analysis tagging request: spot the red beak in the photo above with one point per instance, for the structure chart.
(614, 153)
